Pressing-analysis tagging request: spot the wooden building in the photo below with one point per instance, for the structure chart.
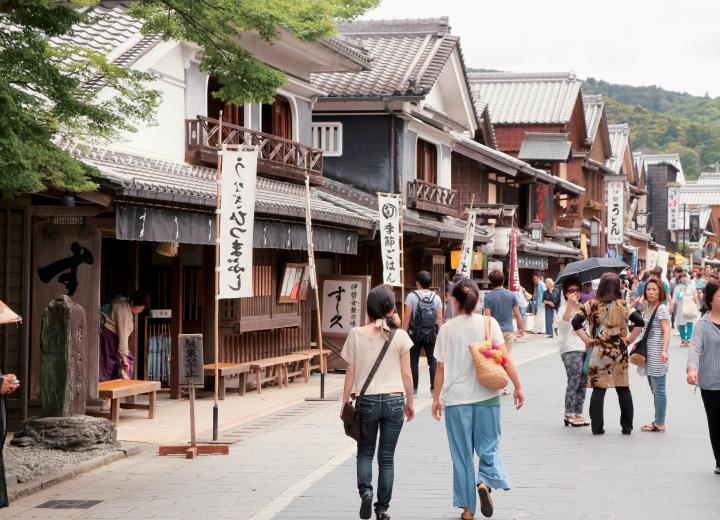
(150, 223)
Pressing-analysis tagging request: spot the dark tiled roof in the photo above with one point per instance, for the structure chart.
(407, 58)
(167, 182)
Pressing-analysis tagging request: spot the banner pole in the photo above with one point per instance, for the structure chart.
(402, 257)
(216, 325)
(313, 278)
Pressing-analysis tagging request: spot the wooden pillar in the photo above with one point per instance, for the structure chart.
(176, 322)
(209, 304)
(26, 308)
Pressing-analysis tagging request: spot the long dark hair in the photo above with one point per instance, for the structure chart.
(466, 293)
(609, 288)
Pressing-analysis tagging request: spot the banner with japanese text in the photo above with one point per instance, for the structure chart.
(342, 303)
(616, 218)
(466, 253)
(237, 219)
(389, 210)
(312, 272)
(673, 207)
(514, 277)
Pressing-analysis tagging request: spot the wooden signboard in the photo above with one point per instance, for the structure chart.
(66, 260)
(342, 304)
(292, 283)
(191, 359)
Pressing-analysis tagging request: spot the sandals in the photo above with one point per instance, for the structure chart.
(575, 421)
(467, 515)
(652, 427)
(486, 503)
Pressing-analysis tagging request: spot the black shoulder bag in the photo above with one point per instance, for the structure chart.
(350, 414)
(638, 355)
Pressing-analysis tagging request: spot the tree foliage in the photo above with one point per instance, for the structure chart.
(217, 27)
(49, 89)
(668, 122)
(49, 93)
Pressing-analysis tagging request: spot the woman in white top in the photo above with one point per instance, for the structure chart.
(684, 289)
(472, 411)
(572, 353)
(383, 407)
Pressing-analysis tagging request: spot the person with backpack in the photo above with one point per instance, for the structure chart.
(116, 326)
(423, 317)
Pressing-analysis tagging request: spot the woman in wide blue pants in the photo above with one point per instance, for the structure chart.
(472, 411)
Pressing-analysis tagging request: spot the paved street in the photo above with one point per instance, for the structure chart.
(305, 467)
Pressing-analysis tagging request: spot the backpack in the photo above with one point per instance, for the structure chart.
(105, 310)
(423, 326)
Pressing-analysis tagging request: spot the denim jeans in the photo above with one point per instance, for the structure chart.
(384, 414)
(549, 320)
(429, 349)
(657, 385)
(473, 428)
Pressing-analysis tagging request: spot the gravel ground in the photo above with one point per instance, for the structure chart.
(26, 464)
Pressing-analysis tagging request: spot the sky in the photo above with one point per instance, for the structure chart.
(672, 44)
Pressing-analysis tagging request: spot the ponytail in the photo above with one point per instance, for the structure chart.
(466, 293)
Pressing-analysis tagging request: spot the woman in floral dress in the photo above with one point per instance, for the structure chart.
(608, 314)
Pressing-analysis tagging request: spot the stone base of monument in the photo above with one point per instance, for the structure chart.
(76, 433)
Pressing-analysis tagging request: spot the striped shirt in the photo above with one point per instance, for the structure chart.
(704, 354)
(653, 365)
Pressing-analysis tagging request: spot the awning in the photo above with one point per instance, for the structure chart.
(164, 225)
(548, 248)
(540, 146)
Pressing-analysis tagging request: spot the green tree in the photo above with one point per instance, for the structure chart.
(48, 90)
(217, 27)
(46, 97)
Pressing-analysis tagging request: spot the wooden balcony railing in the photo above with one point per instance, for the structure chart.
(430, 197)
(277, 157)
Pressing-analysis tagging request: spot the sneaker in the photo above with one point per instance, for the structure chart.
(505, 391)
(381, 514)
(717, 470)
(486, 503)
(627, 431)
(366, 507)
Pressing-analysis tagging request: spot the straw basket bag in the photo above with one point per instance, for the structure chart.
(489, 361)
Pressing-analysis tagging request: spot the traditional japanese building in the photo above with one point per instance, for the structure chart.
(150, 223)
(539, 119)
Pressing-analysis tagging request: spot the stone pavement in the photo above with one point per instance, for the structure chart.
(304, 468)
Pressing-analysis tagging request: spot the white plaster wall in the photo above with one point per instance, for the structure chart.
(445, 166)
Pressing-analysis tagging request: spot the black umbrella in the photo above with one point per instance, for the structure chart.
(590, 269)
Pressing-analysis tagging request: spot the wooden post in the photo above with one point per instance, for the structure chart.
(193, 441)
(176, 326)
(216, 412)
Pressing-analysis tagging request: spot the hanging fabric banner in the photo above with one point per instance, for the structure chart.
(673, 206)
(237, 219)
(615, 222)
(514, 282)
(466, 254)
(309, 231)
(389, 210)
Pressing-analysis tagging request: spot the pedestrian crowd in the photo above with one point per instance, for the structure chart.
(603, 331)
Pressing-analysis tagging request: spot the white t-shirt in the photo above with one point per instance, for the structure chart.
(460, 385)
(361, 350)
(568, 341)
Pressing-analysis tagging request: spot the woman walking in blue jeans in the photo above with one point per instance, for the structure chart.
(657, 335)
(384, 406)
(472, 411)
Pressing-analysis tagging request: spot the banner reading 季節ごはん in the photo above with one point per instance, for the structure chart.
(389, 210)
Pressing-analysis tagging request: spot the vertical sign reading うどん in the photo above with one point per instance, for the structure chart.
(465, 263)
(615, 212)
(389, 210)
(237, 218)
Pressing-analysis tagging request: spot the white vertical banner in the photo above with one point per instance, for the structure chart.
(466, 254)
(237, 218)
(616, 217)
(673, 207)
(652, 259)
(389, 211)
(309, 233)
(662, 260)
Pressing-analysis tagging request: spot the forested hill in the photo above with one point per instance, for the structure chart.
(664, 121)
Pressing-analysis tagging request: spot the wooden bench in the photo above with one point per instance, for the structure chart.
(314, 353)
(119, 388)
(228, 371)
(276, 369)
